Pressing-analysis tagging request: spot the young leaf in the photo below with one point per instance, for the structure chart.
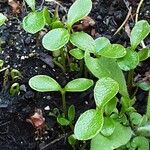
(76, 11)
(63, 121)
(140, 143)
(44, 83)
(77, 53)
(2, 19)
(83, 41)
(55, 39)
(100, 67)
(72, 140)
(144, 85)
(135, 118)
(78, 85)
(31, 4)
(144, 54)
(105, 89)
(129, 61)
(120, 136)
(71, 113)
(108, 127)
(144, 130)
(56, 24)
(113, 51)
(88, 125)
(139, 33)
(47, 16)
(101, 42)
(14, 89)
(34, 22)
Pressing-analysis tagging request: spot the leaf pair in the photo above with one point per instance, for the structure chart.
(57, 38)
(66, 121)
(43, 83)
(91, 122)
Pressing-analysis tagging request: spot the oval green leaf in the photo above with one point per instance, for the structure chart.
(101, 43)
(113, 51)
(144, 85)
(55, 39)
(78, 85)
(71, 113)
(144, 54)
(77, 53)
(139, 33)
(63, 121)
(78, 11)
(83, 41)
(2, 19)
(129, 61)
(44, 83)
(105, 89)
(88, 125)
(34, 22)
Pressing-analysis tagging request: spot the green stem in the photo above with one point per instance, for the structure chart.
(130, 80)
(148, 106)
(85, 71)
(73, 147)
(63, 93)
(59, 65)
(81, 67)
(63, 59)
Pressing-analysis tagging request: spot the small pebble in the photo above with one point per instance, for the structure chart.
(47, 108)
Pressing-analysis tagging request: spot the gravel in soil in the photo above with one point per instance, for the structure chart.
(24, 52)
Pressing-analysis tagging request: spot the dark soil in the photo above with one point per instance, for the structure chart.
(22, 51)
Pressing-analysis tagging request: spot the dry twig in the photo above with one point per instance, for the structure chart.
(136, 18)
(124, 22)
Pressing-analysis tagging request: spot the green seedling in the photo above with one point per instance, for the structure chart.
(65, 121)
(36, 20)
(15, 74)
(90, 123)
(43, 83)
(14, 89)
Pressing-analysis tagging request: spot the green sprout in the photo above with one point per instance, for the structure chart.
(44, 83)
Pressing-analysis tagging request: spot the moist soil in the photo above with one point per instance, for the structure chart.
(23, 51)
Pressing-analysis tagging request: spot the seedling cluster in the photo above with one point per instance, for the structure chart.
(114, 123)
